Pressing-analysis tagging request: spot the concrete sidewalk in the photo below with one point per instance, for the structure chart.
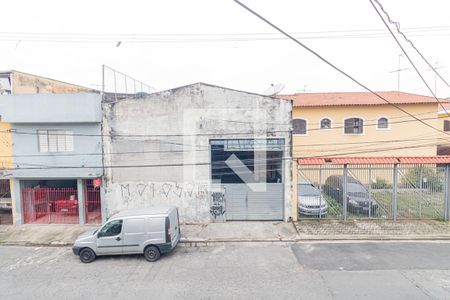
(192, 235)
(373, 230)
(242, 232)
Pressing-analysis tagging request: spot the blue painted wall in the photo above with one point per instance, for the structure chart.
(87, 154)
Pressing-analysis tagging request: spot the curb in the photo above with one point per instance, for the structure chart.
(241, 242)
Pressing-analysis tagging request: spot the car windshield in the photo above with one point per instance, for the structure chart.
(307, 190)
(357, 190)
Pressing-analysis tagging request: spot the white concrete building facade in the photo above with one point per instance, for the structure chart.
(216, 153)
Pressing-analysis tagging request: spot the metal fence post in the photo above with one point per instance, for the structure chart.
(370, 191)
(394, 192)
(344, 192)
(446, 193)
(421, 190)
(320, 189)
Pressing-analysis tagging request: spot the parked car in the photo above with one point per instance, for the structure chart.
(358, 198)
(310, 200)
(150, 231)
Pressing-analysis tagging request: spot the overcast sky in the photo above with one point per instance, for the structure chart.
(158, 45)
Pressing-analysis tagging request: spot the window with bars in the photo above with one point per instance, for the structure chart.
(446, 125)
(51, 140)
(299, 126)
(325, 123)
(383, 123)
(354, 126)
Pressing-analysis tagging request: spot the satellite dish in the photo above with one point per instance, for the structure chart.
(274, 89)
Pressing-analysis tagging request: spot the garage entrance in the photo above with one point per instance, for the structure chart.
(260, 164)
(57, 202)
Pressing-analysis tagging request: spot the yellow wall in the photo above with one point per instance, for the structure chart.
(373, 142)
(5, 146)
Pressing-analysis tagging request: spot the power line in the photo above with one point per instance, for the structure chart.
(113, 135)
(62, 154)
(48, 167)
(205, 37)
(404, 52)
(375, 151)
(332, 65)
(207, 148)
(397, 26)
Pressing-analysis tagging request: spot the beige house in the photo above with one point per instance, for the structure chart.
(362, 124)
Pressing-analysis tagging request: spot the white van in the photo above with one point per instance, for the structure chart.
(151, 231)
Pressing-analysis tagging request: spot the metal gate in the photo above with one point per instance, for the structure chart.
(92, 205)
(242, 203)
(50, 205)
(375, 191)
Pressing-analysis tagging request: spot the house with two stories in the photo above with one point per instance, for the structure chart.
(362, 124)
(56, 161)
(14, 82)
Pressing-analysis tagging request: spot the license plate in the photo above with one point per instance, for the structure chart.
(64, 209)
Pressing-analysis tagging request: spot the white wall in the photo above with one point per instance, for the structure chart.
(165, 128)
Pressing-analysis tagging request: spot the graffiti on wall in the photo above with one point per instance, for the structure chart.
(131, 192)
(217, 204)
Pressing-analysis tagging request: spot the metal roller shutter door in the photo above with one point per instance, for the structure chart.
(241, 203)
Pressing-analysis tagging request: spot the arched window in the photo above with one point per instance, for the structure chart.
(325, 123)
(354, 126)
(299, 126)
(383, 123)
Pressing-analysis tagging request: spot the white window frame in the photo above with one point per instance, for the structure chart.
(356, 134)
(331, 123)
(389, 123)
(63, 142)
(306, 127)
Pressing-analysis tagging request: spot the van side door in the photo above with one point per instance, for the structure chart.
(109, 238)
(134, 235)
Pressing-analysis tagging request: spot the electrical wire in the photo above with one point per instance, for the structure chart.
(397, 26)
(332, 65)
(114, 135)
(205, 37)
(405, 53)
(133, 153)
(46, 167)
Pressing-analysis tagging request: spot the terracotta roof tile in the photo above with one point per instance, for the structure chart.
(374, 160)
(356, 98)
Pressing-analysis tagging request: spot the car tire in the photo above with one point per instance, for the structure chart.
(87, 255)
(151, 253)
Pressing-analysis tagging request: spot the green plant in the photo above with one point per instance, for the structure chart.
(432, 179)
(381, 183)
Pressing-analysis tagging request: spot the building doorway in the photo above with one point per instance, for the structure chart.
(261, 161)
(50, 201)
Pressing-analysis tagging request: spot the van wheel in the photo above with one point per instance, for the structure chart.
(151, 253)
(87, 255)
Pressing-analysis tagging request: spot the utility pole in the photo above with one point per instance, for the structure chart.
(435, 75)
(399, 69)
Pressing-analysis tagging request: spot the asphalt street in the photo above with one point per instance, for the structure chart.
(368, 270)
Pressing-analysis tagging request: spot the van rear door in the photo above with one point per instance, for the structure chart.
(174, 225)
